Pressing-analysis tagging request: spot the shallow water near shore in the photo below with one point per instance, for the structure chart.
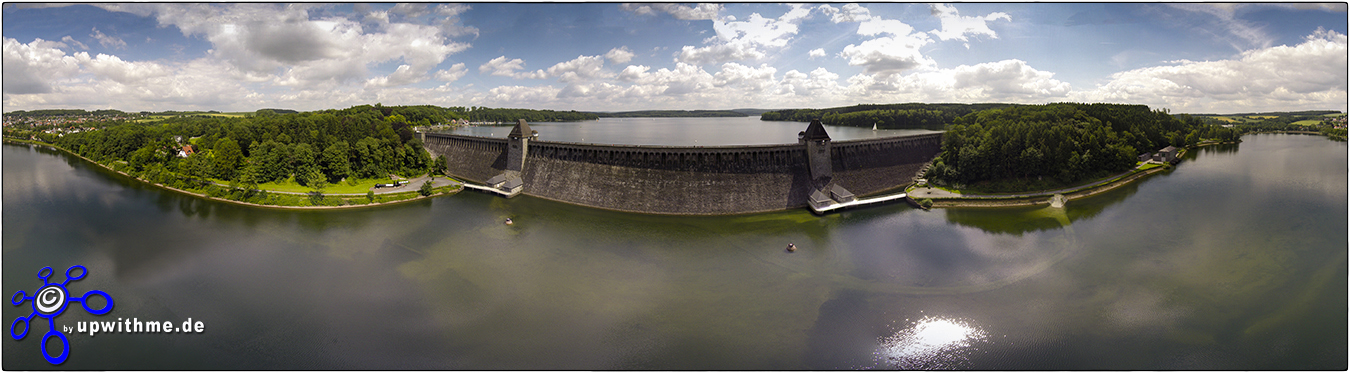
(1234, 260)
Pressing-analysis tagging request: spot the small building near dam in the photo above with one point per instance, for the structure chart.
(688, 180)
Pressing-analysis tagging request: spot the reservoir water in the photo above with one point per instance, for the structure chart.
(1234, 260)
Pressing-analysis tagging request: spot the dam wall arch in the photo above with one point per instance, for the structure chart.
(687, 180)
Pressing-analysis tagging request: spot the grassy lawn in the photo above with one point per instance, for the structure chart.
(156, 118)
(227, 115)
(1033, 186)
(1307, 122)
(291, 186)
(1149, 166)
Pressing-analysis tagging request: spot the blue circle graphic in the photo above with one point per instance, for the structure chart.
(76, 278)
(50, 301)
(65, 347)
(26, 324)
(84, 301)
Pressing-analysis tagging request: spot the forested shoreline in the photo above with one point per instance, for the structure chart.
(311, 148)
(998, 146)
(1020, 147)
(358, 146)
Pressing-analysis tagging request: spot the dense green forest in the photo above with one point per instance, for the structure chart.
(892, 116)
(1065, 142)
(671, 114)
(313, 148)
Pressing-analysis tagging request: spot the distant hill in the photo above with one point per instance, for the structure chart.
(63, 112)
(1274, 119)
(671, 114)
(751, 112)
(886, 116)
(1274, 113)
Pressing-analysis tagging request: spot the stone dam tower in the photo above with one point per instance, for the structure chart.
(685, 180)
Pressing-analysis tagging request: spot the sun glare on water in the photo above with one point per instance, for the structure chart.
(930, 343)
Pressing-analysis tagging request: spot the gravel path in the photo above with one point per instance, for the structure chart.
(929, 192)
(413, 185)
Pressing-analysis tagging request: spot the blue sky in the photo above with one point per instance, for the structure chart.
(1192, 58)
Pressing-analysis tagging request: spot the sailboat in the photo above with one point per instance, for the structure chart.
(874, 126)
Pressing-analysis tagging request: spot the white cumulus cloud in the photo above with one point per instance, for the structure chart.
(34, 67)
(619, 55)
(849, 13)
(890, 54)
(1310, 75)
(718, 53)
(896, 53)
(455, 72)
(1001, 81)
(745, 40)
(956, 26)
(582, 68)
(289, 45)
(679, 11)
(501, 66)
(114, 68)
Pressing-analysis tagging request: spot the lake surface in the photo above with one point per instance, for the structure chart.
(1234, 260)
(681, 131)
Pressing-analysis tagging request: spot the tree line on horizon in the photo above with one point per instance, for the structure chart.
(498, 115)
(883, 116)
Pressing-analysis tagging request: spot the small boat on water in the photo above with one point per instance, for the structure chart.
(509, 222)
(874, 126)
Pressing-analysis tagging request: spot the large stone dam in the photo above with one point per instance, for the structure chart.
(687, 180)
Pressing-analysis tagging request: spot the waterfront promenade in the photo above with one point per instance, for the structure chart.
(947, 198)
